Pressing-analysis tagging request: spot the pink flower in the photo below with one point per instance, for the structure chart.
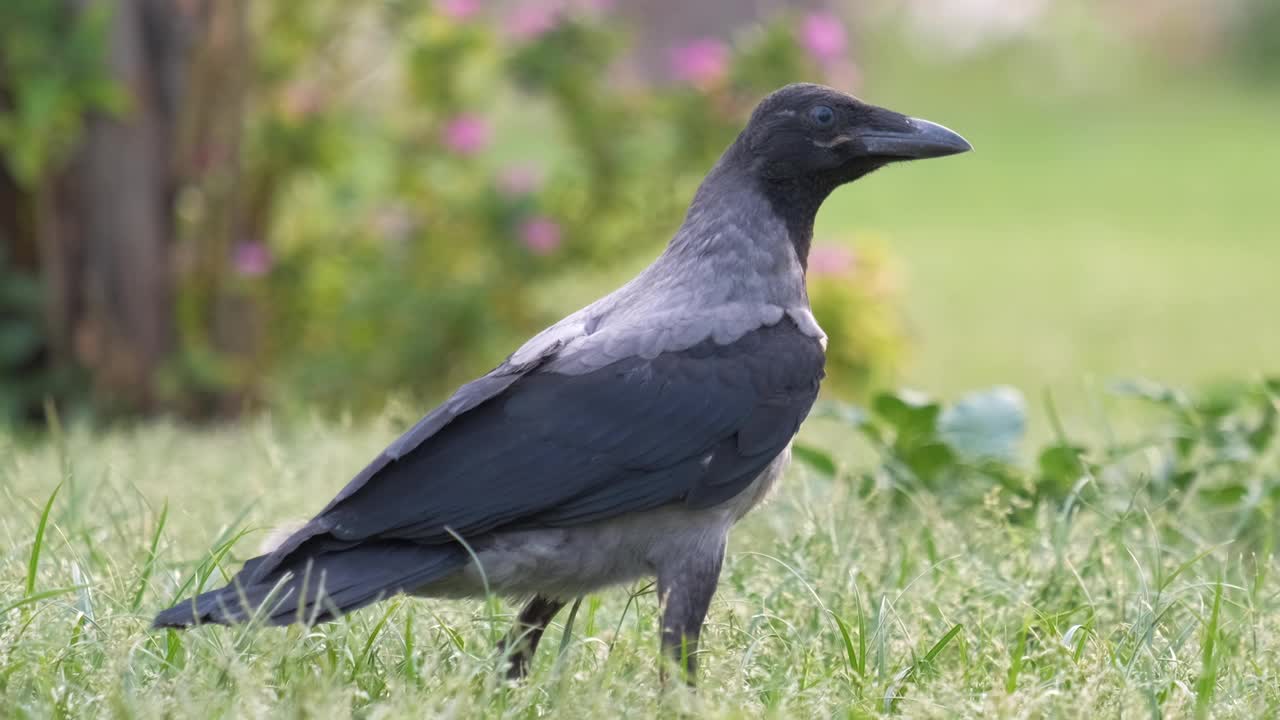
(531, 20)
(702, 63)
(540, 234)
(823, 35)
(518, 180)
(251, 259)
(460, 10)
(828, 259)
(466, 134)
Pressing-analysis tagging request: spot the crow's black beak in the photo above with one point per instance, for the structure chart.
(923, 140)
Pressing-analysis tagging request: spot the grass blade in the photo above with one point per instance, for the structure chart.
(33, 563)
(149, 566)
(862, 633)
(1209, 660)
(568, 628)
(1183, 567)
(898, 688)
(1015, 663)
(942, 643)
(206, 568)
(850, 653)
(366, 655)
(37, 597)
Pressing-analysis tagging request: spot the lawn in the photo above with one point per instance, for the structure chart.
(1137, 236)
(851, 594)
(1134, 236)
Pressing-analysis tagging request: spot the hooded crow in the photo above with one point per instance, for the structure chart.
(624, 441)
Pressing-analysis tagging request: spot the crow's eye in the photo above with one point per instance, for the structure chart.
(822, 115)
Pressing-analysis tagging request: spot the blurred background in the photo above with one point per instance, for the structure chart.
(211, 208)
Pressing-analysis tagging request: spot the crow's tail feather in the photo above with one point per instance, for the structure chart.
(318, 588)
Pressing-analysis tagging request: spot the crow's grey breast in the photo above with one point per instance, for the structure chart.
(549, 450)
(694, 426)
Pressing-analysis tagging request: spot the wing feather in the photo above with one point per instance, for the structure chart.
(539, 448)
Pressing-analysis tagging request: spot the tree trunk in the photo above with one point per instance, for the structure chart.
(105, 224)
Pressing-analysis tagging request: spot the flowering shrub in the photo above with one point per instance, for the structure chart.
(852, 290)
(501, 154)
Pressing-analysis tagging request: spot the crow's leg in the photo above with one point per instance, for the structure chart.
(522, 642)
(685, 587)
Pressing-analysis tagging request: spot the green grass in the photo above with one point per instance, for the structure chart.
(850, 595)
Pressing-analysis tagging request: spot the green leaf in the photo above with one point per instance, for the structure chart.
(1060, 467)
(1224, 496)
(1223, 398)
(1151, 391)
(907, 410)
(989, 424)
(814, 458)
(1261, 436)
(928, 460)
(913, 416)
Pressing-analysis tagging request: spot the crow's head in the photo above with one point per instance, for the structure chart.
(816, 134)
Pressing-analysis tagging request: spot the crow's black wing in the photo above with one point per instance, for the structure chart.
(695, 426)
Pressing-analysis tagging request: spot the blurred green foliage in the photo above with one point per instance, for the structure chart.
(21, 343)
(368, 200)
(406, 253)
(55, 70)
(409, 181)
(52, 74)
(1216, 452)
(1256, 39)
(856, 298)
